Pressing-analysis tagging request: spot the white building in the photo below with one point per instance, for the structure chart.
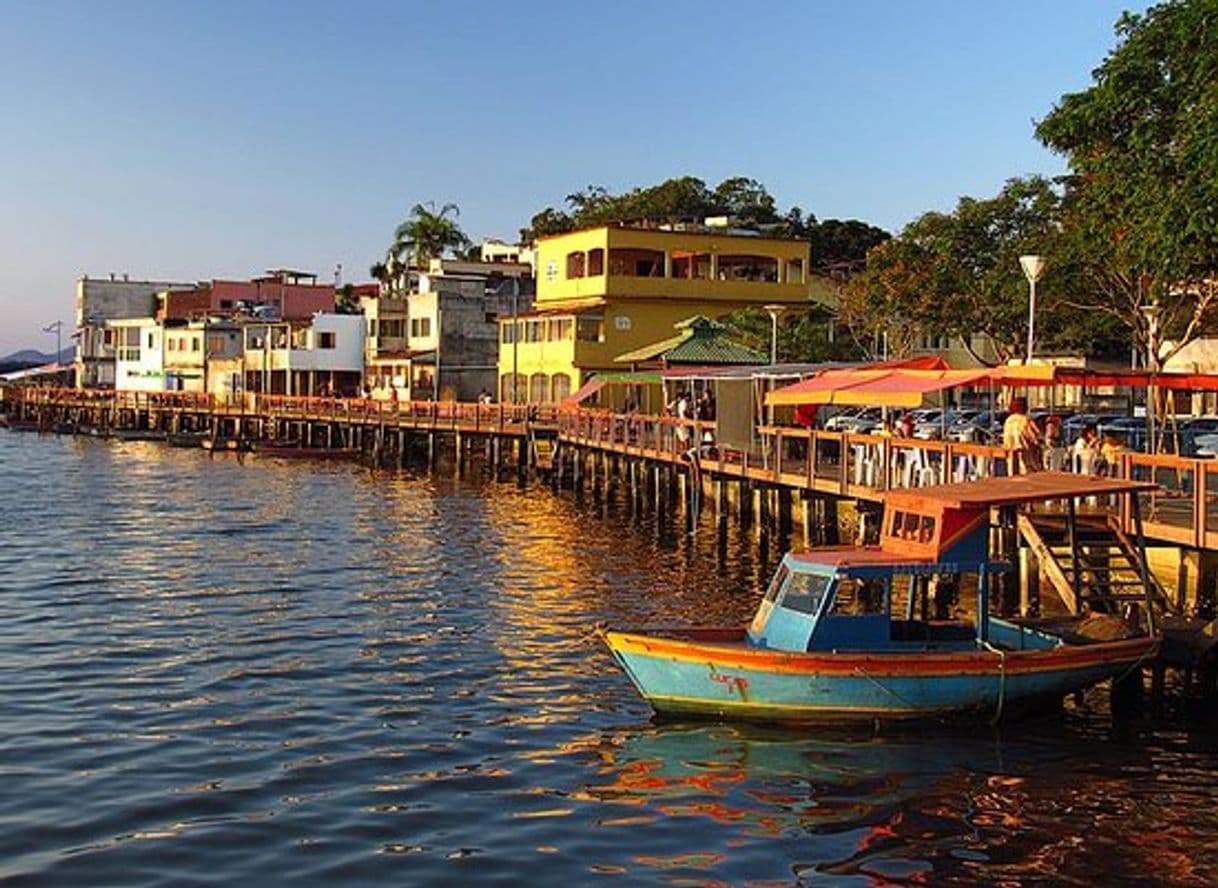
(139, 357)
(323, 355)
(99, 301)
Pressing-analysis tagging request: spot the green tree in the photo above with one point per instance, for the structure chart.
(427, 234)
(839, 246)
(347, 302)
(958, 274)
(1143, 195)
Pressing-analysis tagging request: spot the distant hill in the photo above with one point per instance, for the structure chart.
(34, 358)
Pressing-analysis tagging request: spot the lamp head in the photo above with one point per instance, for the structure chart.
(1033, 266)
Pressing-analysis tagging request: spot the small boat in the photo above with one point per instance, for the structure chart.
(138, 435)
(186, 439)
(15, 424)
(848, 633)
(231, 445)
(295, 450)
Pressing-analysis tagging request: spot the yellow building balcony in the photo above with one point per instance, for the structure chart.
(709, 267)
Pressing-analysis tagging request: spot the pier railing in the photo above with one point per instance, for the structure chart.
(1183, 510)
(432, 414)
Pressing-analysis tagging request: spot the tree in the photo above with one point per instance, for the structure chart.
(347, 302)
(958, 275)
(1143, 194)
(426, 235)
(840, 246)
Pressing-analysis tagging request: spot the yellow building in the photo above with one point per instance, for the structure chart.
(602, 292)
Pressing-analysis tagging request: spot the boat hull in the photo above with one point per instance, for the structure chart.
(717, 673)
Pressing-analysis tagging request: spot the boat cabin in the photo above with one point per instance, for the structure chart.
(879, 598)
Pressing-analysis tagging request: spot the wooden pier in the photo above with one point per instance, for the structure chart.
(827, 485)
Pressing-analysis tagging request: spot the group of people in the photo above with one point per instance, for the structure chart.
(1038, 446)
(702, 408)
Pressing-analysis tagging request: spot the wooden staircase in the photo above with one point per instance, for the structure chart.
(1093, 566)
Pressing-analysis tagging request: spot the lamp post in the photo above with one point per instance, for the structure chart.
(775, 311)
(1032, 266)
(1152, 311)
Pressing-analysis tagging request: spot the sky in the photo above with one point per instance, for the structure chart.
(194, 140)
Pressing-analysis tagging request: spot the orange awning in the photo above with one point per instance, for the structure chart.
(877, 388)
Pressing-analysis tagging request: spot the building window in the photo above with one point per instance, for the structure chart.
(596, 262)
(326, 339)
(561, 329)
(151, 341)
(420, 327)
(795, 271)
(561, 386)
(532, 331)
(575, 265)
(490, 317)
(169, 343)
(194, 343)
(590, 328)
(538, 385)
(372, 328)
(507, 333)
(226, 303)
(691, 266)
(636, 263)
(748, 268)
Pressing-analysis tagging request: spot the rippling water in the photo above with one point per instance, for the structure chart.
(212, 672)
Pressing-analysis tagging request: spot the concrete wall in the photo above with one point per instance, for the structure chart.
(101, 300)
(347, 355)
(145, 373)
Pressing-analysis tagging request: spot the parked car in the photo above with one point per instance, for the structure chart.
(1206, 446)
(1130, 429)
(839, 421)
(984, 428)
(1072, 428)
(1193, 429)
(933, 428)
(864, 422)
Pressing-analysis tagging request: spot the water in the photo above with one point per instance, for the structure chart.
(214, 672)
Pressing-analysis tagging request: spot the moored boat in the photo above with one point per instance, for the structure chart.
(295, 450)
(850, 633)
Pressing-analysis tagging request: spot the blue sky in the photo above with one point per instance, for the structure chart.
(195, 140)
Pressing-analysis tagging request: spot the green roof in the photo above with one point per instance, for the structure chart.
(699, 341)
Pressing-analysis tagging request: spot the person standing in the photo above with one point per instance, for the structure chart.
(1085, 454)
(1022, 436)
(1055, 453)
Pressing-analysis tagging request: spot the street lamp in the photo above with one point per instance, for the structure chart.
(774, 310)
(1032, 267)
(1152, 311)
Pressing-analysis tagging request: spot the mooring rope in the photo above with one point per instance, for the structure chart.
(1002, 681)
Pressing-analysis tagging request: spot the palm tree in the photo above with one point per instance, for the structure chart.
(426, 235)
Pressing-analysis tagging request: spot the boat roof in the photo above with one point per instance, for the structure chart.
(1008, 491)
(847, 557)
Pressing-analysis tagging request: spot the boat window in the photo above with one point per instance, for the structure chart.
(926, 530)
(855, 597)
(804, 592)
(776, 583)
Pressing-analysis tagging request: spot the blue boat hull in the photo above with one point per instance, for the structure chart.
(729, 678)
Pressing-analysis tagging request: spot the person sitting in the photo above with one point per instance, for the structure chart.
(1085, 454)
(1110, 454)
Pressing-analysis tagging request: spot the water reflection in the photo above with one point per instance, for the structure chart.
(223, 671)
